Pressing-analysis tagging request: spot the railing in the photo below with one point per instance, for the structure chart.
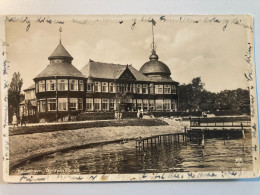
(221, 122)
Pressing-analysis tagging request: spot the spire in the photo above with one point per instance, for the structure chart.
(60, 29)
(60, 54)
(153, 56)
(153, 45)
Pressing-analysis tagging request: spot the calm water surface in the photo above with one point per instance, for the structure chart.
(217, 155)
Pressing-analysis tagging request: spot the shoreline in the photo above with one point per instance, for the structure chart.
(40, 144)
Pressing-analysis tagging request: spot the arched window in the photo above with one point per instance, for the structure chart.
(51, 85)
(73, 85)
(62, 84)
(81, 85)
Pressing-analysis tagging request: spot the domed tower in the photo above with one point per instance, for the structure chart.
(155, 68)
(59, 87)
(163, 90)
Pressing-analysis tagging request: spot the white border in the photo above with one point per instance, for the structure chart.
(134, 177)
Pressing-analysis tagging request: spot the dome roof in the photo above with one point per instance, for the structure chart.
(60, 52)
(155, 67)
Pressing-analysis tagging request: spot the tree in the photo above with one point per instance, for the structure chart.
(122, 99)
(14, 94)
(190, 95)
(193, 97)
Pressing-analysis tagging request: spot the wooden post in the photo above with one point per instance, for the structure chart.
(243, 131)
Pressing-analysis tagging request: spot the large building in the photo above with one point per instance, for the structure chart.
(61, 89)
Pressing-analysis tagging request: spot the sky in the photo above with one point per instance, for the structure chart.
(189, 49)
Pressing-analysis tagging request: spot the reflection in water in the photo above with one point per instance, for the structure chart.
(217, 155)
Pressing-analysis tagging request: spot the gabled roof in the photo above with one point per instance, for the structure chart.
(109, 70)
(62, 69)
(30, 88)
(60, 51)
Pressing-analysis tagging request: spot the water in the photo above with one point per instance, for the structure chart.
(217, 155)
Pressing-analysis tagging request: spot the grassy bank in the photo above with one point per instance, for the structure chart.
(73, 126)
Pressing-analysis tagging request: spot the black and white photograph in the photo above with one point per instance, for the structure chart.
(128, 98)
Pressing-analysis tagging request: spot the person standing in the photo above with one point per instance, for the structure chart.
(138, 113)
(15, 120)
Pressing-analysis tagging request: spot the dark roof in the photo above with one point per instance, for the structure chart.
(30, 88)
(31, 102)
(154, 66)
(62, 69)
(109, 71)
(60, 51)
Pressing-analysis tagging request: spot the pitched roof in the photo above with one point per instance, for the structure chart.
(60, 69)
(109, 71)
(30, 88)
(60, 51)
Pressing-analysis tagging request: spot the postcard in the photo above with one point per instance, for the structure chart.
(100, 98)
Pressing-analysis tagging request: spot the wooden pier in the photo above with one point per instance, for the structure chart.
(198, 132)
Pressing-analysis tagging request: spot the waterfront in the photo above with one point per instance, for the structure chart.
(216, 155)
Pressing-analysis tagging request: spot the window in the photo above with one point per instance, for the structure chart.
(131, 87)
(73, 105)
(159, 104)
(37, 87)
(112, 87)
(97, 87)
(118, 87)
(167, 104)
(89, 87)
(105, 104)
(81, 85)
(51, 85)
(80, 104)
(104, 87)
(97, 104)
(139, 104)
(42, 106)
(151, 104)
(41, 86)
(73, 85)
(151, 86)
(112, 104)
(63, 104)
(174, 89)
(134, 88)
(125, 87)
(167, 89)
(145, 89)
(89, 104)
(145, 104)
(51, 104)
(159, 89)
(174, 105)
(62, 84)
(139, 88)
